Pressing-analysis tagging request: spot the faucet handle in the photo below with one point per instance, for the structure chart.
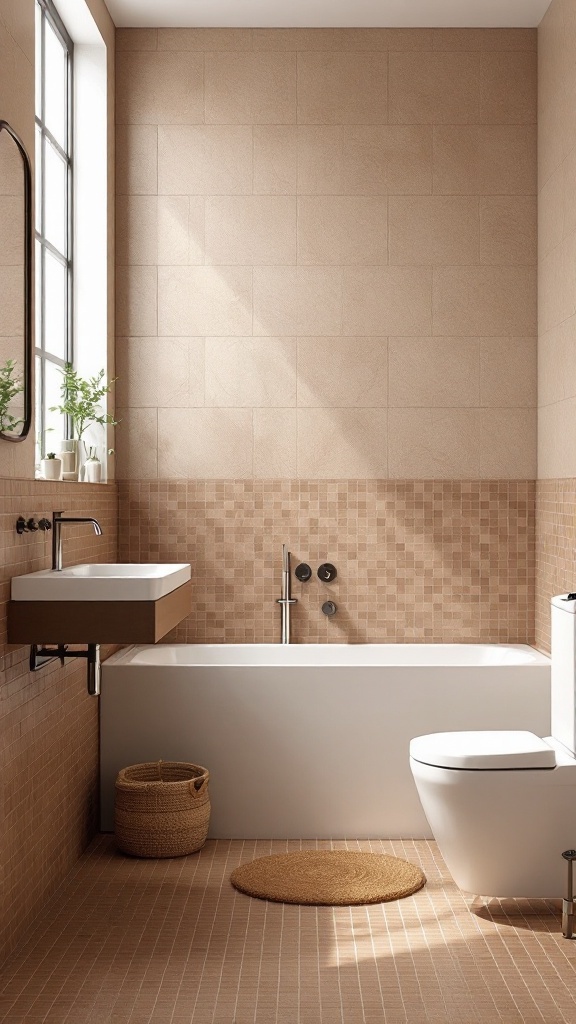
(45, 524)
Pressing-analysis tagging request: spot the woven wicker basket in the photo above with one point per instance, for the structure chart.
(162, 809)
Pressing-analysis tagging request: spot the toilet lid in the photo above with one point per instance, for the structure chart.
(483, 750)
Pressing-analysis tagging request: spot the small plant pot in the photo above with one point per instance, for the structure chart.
(52, 469)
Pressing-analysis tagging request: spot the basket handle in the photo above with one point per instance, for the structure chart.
(196, 790)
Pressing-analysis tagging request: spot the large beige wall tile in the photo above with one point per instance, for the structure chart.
(342, 88)
(556, 443)
(205, 443)
(335, 443)
(204, 39)
(364, 159)
(340, 372)
(156, 372)
(204, 300)
(275, 441)
(508, 443)
(251, 229)
(387, 300)
(205, 160)
(136, 230)
(508, 88)
(342, 230)
(480, 301)
(475, 39)
(297, 300)
(136, 39)
(433, 443)
(11, 315)
(508, 230)
(136, 159)
(557, 363)
(137, 456)
(275, 159)
(181, 230)
(554, 305)
(252, 372)
(433, 372)
(18, 18)
(508, 372)
(421, 88)
(485, 160)
(552, 138)
(551, 213)
(569, 193)
(12, 230)
(136, 301)
(431, 230)
(159, 88)
(250, 88)
(342, 39)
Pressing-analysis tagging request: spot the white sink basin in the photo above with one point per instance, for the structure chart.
(101, 583)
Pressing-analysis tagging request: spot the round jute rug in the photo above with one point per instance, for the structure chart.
(328, 878)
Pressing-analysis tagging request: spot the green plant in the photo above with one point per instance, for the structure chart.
(51, 455)
(81, 400)
(10, 386)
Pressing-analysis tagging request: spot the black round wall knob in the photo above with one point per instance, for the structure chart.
(329, 608)
(303, 572)
(327, 572)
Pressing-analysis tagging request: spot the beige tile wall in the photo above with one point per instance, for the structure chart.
(431, 561)
(557, 241)
(48, 724)
(326, 253)
(556, 488)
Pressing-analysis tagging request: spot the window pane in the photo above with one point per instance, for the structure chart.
(38, 180)
(55, 86)
(54, 420)
(38, 295)
(55, 209)
(38, 60)
(38, 417)
(55, 306)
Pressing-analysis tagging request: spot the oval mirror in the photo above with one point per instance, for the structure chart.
(15, 287)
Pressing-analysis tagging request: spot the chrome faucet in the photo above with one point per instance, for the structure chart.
(286, 600)
(58, 519)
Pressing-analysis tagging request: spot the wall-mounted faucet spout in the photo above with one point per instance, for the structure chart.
(285, 600)
(58, 519)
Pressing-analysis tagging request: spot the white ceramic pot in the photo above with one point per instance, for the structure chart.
(92, 471)
(69, 457)
(52, 469)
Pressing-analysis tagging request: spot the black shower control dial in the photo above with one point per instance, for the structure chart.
(329, 608)
(327, 572)
(303, 572)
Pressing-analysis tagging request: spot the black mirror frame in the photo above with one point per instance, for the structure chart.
(28, 340)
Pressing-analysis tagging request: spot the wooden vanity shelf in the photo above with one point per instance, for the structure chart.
(97, 622)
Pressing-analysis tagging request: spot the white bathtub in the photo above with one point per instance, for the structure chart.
(310, 740)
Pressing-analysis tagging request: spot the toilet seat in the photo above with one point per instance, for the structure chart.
(483, 750)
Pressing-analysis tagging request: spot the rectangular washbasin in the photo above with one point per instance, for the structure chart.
(123, 582)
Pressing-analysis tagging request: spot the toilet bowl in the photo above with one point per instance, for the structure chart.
(502, 804)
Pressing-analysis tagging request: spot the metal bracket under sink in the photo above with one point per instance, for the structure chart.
(41, 656)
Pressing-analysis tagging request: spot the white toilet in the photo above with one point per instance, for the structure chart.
(502, 805)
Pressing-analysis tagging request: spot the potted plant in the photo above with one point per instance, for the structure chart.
(51, 467)
(10, 386)
(81, 402)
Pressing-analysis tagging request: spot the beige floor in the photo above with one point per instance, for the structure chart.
(170, 942)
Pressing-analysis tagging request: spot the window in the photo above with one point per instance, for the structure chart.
(54, 340)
